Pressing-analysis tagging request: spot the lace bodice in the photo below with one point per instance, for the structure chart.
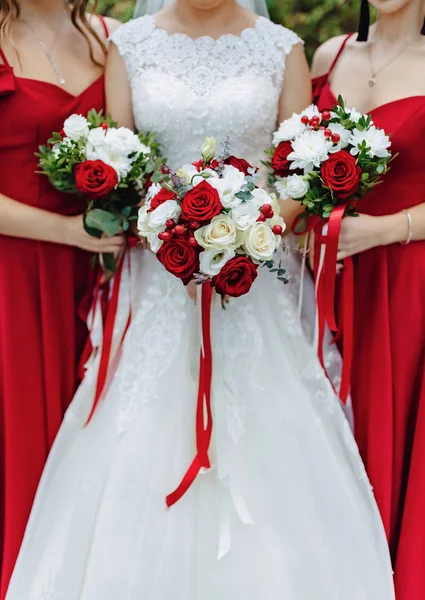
(185, 89)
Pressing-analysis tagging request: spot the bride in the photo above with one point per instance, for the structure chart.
(286, 511)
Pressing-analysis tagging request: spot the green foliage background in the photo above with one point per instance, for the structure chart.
(314, 20)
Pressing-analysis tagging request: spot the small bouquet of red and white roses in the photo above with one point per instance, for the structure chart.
(107, 165)
(209, 222)
(329, 161)
(326, 159)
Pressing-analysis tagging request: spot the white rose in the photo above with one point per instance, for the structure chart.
(168, 210)
(294, 186)
(123, 141)
(289, 130)
(261, 243)
(247, 213)
(228, 186)
(76, 127)
(143, 226)
(154, 242)
(310, 149)
(209, 149)
(376, 140)
(218, 234)
(212, 261)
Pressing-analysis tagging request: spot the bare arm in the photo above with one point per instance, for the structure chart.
(295, 97)
(366, 232)
(118, 91)
(20, 220)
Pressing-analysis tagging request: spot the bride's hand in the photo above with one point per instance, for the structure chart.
(191, 289)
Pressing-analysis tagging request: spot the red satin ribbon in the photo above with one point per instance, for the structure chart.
(325, 283)
(203, 409)
(109, 314)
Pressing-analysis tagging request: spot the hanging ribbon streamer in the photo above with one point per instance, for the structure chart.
(326, 252)
(204, 420)
(109, 314)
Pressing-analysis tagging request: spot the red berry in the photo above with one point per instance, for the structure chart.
(170, 223)
(195, 225)
(326, 115)
(267, 209)
(192, 242)
(335, 138)
(164, 236)
(277, 229)
(105, 126)
(173, 231)
(315, 121)
(304, 120)
(261, 218)
(328, 133)
(179, 230)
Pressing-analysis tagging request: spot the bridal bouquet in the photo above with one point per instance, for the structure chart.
(210, 222)
(328, 161)
(107, 165)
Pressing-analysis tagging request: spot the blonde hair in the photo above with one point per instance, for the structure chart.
(11, 9)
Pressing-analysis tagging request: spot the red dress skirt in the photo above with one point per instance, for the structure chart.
(388, 376)
(41, 286)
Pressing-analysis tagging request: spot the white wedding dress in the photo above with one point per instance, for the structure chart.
(286, 511)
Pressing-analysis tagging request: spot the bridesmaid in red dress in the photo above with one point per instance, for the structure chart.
(51, 57)
(383, 74)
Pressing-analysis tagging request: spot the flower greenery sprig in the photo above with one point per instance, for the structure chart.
(109, 166)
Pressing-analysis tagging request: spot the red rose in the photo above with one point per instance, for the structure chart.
(280, 162)
(201, 203)
(162, 196)
(95, 179)
(239, 163)
(179, 258)
(341, 174)
(236, 277)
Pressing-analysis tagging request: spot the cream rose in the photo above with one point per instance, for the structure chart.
(261, 243)
(220, 233)
(212, 261)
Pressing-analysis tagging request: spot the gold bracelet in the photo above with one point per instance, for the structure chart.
(410, 234)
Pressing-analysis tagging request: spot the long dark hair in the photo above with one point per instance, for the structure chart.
(11, 9)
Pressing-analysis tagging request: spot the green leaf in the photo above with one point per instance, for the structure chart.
(103, 221)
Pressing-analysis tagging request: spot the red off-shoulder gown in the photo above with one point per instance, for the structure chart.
(41, 287)
(388, 376)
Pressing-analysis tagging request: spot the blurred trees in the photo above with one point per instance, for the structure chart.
(314, 20)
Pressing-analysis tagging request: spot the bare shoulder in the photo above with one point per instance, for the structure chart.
(325, 55)
(96, 22)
